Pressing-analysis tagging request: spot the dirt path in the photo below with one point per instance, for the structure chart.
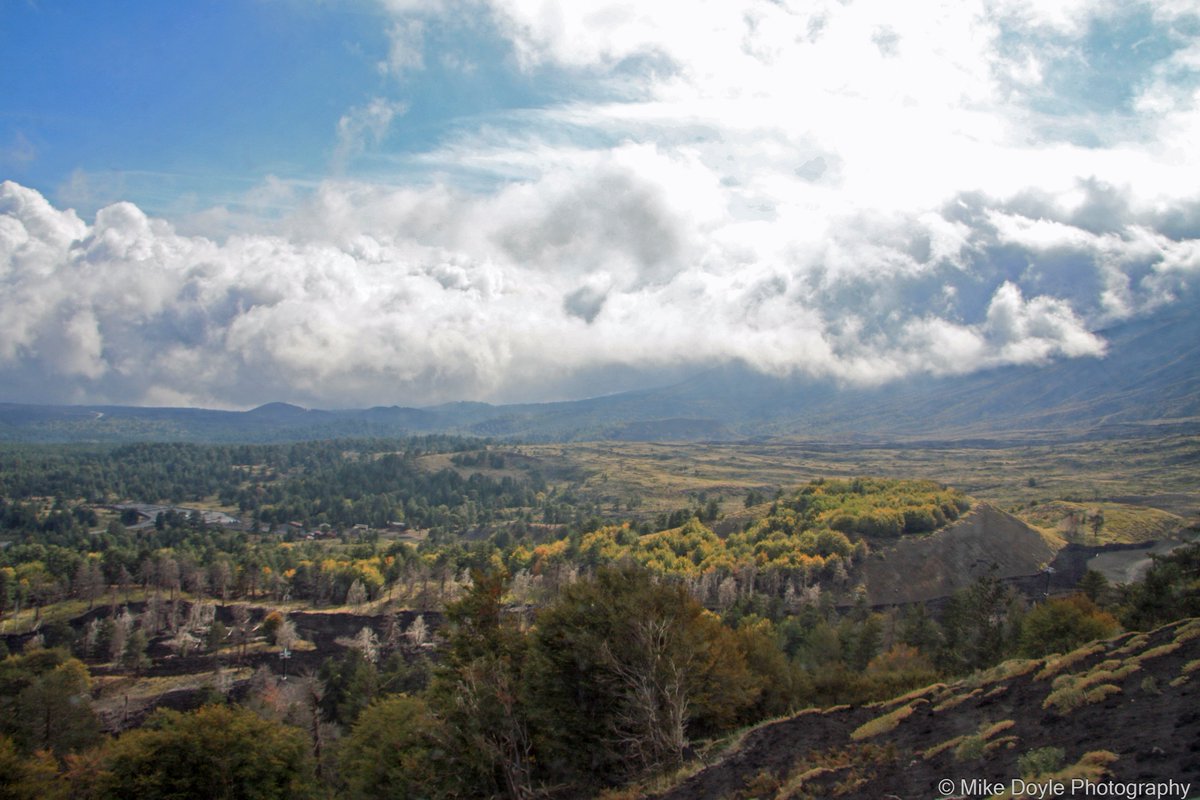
(1127, 566)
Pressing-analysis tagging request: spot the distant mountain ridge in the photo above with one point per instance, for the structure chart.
(1149, 380)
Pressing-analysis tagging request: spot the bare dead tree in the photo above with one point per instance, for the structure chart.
(241, 630)
(505, 742)
(650, 723)
(310, 692)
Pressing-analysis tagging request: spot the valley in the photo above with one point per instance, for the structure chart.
(312, 584)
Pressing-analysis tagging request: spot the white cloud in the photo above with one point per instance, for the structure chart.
(1033, 331)
(406, 48)
(427, 295)
(363, 127)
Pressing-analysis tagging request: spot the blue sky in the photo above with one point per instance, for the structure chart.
(412, 201)
(166, 104)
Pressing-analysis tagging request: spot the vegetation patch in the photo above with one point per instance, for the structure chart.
(1092, 767)
(1055, 665)
(942, 747)
(1155, 652)
(1012, 668)
(816, 775)
(1188, 631)
(1092, 677)
(1062, 624)
(1102, 523)
(956, 701)
(815, 533)
(887, 722)
(1135, 643)
(1071, 697)
(1071, 691)
(934, 688)
(1039, 762)
(979, 744)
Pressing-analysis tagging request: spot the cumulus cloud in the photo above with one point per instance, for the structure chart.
(427, 298)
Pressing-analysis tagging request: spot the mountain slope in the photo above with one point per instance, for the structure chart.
(1151, 374)
(1149, 378)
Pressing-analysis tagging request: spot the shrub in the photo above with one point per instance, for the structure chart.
(978, 745)
(1059, 625)
(1041, 761)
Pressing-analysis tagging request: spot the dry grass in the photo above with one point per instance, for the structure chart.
(1155, 652)
(1070, 697)
(1013, 668)
(975, 745)
(110, 692)
(661, 477)
(708, 754)
(1055, 665)
(1123, 523)
(980, 744)
(795, 783)
(1188, 631)
(1091, 767)
(1135, 643)
(933, 688)
(887, 722)
(1073, 690)
(1094, 676)
(942, 747)
(956, 701)
(996, 691)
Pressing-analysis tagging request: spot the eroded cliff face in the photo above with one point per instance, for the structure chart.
(985, 541)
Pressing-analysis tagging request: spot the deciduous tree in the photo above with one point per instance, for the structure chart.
(217, 752)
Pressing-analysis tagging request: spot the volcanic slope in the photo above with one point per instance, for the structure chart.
(1125, 709)
(985, 541)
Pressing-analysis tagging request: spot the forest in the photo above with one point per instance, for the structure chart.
(442, 617)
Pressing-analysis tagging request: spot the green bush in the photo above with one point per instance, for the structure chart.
(1041, 761)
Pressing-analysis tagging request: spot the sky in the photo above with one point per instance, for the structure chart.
(408, 202)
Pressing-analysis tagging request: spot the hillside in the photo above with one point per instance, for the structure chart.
(1121, 710)
(1149, 381)
(984, 541)
(1150, 376)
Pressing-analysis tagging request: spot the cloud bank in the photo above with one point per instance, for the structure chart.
(856, 192)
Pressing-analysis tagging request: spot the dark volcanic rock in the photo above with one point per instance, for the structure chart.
(1151, 724)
